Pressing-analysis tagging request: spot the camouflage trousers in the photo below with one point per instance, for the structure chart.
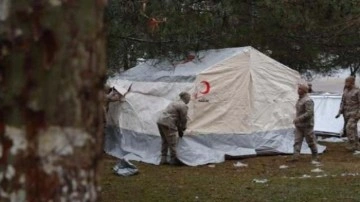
(308, 134)
(169, 140)
(352, 133)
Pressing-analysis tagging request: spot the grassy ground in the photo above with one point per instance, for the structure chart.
(225, 182)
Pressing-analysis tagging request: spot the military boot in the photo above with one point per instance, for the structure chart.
(163, 160)
(350, 147)
(315, 158)
(357, 147)
(294, 158)
(175, 162)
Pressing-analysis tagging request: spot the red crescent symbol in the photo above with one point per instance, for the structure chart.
(207, 87)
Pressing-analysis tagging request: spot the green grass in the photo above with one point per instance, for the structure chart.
(225, 182)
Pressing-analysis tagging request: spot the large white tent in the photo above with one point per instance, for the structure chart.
(242, 104)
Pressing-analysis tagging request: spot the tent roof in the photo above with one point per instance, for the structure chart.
(180, 71)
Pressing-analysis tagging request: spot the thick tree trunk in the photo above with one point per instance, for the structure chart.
(52, 67)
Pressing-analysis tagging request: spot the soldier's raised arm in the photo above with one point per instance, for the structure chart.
(183, 111)
(341, 109)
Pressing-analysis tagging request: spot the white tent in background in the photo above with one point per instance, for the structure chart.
(242, 104)
(326, 108)
(327, 99)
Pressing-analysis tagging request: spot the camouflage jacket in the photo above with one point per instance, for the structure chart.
(112, 96)
(350, 103)
(174, 115)
(305, 112)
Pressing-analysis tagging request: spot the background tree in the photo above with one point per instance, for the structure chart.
(305, 35)
(52, 65)
(320, 35)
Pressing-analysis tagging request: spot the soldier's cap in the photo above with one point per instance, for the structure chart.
(107, 87)
(184, 94)
(350, 78)
(303, 87)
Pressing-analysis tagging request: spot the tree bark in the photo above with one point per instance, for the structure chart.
(52, 67)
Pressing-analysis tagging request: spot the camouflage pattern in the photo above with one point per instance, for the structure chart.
(305, 112)
(304, 125)
(350, 103)
(169, 140)
(174, 116)
(111, 95)
(308, 134)
(172, 119)
(350, 109)
(352, 134)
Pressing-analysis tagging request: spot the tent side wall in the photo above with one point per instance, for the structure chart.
(274, 93)
(326, 107)
(221, 103)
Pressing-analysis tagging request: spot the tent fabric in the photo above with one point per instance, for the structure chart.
(125, 168)
(326, 107)
(194, 150)
(243, 103)
(253, 93)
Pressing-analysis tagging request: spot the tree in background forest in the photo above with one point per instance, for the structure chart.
(319, 35)
(52, 67)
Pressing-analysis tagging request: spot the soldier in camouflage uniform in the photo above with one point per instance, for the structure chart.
(172, 121)
(304, 124)
(350, 109)
(110, 95)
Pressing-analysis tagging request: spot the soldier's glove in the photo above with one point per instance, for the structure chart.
(181, 133)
